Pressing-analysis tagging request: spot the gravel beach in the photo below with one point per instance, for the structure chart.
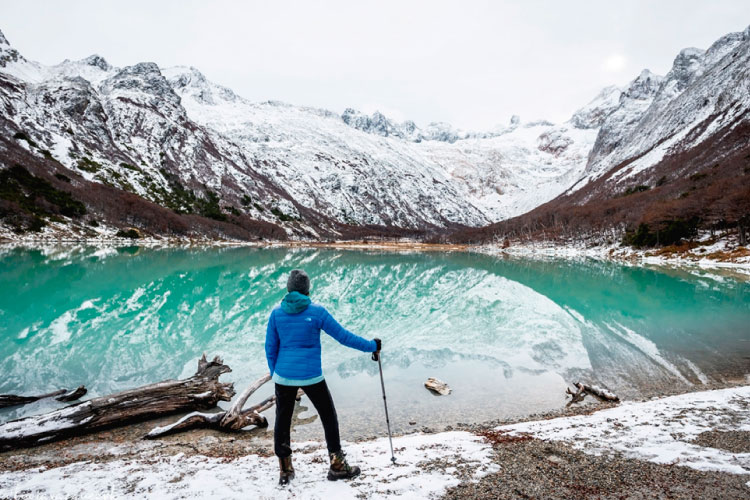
(552, 470)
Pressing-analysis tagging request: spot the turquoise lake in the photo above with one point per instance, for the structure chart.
(505, 334)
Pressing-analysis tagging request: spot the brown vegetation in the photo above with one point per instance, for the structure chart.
(496, 438)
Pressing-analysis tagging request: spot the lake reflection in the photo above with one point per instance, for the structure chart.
(506, 334)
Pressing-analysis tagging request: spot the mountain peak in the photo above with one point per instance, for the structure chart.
(3, 40)
(646, 74)
(645, 86)
(145, 79)
(724, 45)
(144, 67)
(97, 61)
(189, 81)
(593, 114)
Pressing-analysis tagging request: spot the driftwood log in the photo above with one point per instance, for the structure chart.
(201, 391)
(64, 395)
(599, 392)
(583, 389)
(234, 419)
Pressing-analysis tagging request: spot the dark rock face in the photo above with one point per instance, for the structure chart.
(378, 124)
(554, 143)
(7, 53)
(97, 61)
(143, 79)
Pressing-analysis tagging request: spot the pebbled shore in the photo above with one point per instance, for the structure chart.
(555, 470)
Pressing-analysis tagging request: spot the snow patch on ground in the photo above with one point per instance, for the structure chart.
(426, 466)
(659, 431)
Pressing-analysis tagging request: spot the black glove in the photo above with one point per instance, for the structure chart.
(376, 354)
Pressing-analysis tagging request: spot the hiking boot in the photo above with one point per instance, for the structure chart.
(340, 469)
(286, 473)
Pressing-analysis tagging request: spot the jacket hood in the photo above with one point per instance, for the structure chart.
(295, 302)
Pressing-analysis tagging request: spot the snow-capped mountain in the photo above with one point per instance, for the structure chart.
(168, 138)
(671, 156)
(172, 137)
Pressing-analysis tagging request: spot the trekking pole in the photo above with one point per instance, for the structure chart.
(376, 357)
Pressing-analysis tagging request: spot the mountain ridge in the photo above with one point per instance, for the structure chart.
(172, 137)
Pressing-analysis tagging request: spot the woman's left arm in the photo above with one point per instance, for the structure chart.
(344, 336)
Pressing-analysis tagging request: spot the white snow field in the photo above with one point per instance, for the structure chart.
(426, 465)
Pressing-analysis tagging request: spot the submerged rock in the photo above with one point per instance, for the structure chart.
(437, 386)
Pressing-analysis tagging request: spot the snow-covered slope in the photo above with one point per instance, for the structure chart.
(323, 164)
(469, 181)
(512, 173)
(173, 137)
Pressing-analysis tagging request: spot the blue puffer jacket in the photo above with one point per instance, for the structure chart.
(293, 338)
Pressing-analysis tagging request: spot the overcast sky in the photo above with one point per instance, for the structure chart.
(470, 63)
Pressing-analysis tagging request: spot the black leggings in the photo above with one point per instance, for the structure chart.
(321, 399)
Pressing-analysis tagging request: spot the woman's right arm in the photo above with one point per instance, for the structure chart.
(272, 344)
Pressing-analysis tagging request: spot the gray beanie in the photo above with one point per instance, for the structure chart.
(298, 281)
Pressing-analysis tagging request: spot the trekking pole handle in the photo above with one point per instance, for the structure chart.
(376, 352)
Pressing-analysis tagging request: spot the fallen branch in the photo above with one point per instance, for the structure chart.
(201, 391)
(577, 396)
(7, 400)
(234, 419)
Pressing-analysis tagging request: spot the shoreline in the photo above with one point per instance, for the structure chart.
(464, 461)
(709, 255)
(260, 440)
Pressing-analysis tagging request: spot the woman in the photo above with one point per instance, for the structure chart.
(293, 354)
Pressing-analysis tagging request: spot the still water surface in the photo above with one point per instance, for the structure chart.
(505, 334)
